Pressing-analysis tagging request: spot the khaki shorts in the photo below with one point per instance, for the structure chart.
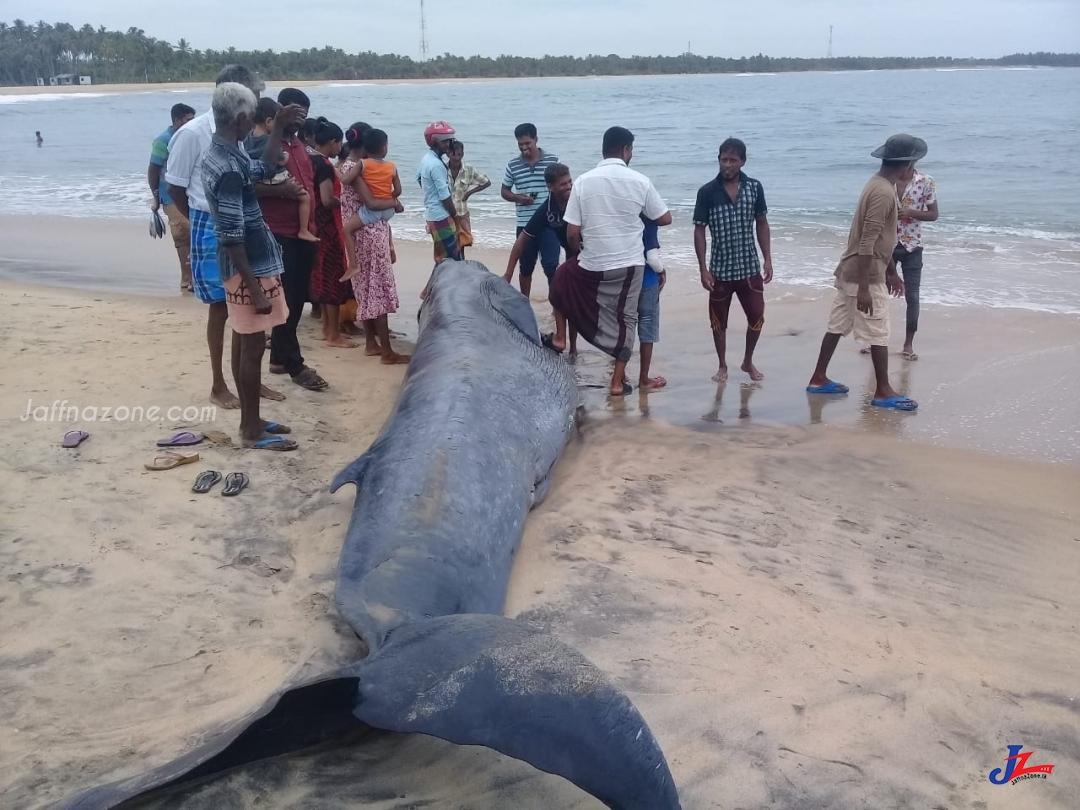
(179, 227)
(845, 318)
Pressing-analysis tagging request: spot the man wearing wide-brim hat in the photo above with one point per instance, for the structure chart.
(866, 276)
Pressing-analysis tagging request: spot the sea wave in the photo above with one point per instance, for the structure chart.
(31, 97)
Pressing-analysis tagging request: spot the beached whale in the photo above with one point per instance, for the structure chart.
(441, 501)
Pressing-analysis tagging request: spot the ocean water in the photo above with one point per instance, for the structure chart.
(1003, 149)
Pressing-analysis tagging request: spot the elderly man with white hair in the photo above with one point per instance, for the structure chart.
(186, 150)
(248, 255)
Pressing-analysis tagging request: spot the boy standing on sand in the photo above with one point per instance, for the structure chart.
(248, 254)
(733, 208)
(918, 204)
(867, 275)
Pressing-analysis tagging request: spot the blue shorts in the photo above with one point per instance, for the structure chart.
(205, 273)
(648, 315)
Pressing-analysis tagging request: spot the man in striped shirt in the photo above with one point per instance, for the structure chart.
(524, 185)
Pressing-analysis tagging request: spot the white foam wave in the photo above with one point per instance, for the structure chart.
(31, 97)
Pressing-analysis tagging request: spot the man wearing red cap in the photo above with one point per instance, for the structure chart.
(434, 178)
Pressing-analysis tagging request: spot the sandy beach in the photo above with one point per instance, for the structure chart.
(149, 87)
(814, 605)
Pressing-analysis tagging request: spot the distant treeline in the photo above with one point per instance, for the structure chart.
(32, 51)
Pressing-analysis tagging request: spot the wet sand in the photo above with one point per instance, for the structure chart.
(1002, 381)
(835, 614)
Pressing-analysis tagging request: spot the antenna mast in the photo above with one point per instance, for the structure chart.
(830, 37)
(423, 34)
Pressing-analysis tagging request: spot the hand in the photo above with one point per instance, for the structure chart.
(393, 255)
(895, 285)
(398, 207)
(707, 280)
(509, 275)
(291, 190)
(864, 302)
(156, 204)
(766, 276)
(289, 118)
(260, 301)
(663, 280)
(907, 213)
(526, 199)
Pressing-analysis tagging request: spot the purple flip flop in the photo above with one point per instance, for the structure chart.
(183, 439)
(73, 438)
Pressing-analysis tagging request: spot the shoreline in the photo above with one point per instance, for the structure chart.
(130, 87)
(982, 375)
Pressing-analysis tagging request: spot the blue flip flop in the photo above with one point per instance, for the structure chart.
(831, 387)
(896, 403)
(278, 443)
(276, 428)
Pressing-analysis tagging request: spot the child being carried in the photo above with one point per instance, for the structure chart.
(381, 177)
(254, 146)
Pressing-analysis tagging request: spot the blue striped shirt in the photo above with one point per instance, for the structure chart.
(522, 178)
(228, 181)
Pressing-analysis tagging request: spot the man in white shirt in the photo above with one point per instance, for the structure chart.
(183, 173)
(597, 292)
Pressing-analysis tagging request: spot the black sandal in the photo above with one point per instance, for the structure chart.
(206, 481)
(548, 342)
(627, 390)
(235, 483)
(309, 379)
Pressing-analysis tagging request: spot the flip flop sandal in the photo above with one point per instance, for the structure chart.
(73, 438)
(170, 460)
(627, 390)
(310, 380)
(278, 443)
(217, 437)
(548, 342)
(206, 481)
(235, 483)
(896, 403)
(831, 387)
(184, 439)
(276, 429)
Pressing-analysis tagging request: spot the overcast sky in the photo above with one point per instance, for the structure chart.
(580, 27)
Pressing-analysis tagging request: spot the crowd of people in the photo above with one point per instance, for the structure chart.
(270, 208)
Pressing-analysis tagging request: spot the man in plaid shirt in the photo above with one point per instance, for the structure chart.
(733, 209)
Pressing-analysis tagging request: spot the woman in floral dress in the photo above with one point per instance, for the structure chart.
(374, 286)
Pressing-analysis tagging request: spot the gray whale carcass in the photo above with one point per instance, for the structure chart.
(441, 500)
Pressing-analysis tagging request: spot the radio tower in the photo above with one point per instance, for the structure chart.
(830, 35)
(423, 33)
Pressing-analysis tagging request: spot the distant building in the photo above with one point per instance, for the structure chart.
(62, 80)
(84, 80)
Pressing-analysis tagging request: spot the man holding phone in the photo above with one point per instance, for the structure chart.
(524, 185)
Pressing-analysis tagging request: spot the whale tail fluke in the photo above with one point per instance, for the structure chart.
(302, 717)
(491, 681)
(470, 679)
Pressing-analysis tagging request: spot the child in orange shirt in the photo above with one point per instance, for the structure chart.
(381, 177)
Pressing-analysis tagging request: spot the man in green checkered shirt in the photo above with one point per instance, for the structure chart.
(732, 207)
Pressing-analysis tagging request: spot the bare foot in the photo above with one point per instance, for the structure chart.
(395, 359)
(373, 350)
(307, 236)
(652, 384)
(340, 343)
(721, 375)
(354, 269)
(751, 369)
(271, 394)
(225, 399)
